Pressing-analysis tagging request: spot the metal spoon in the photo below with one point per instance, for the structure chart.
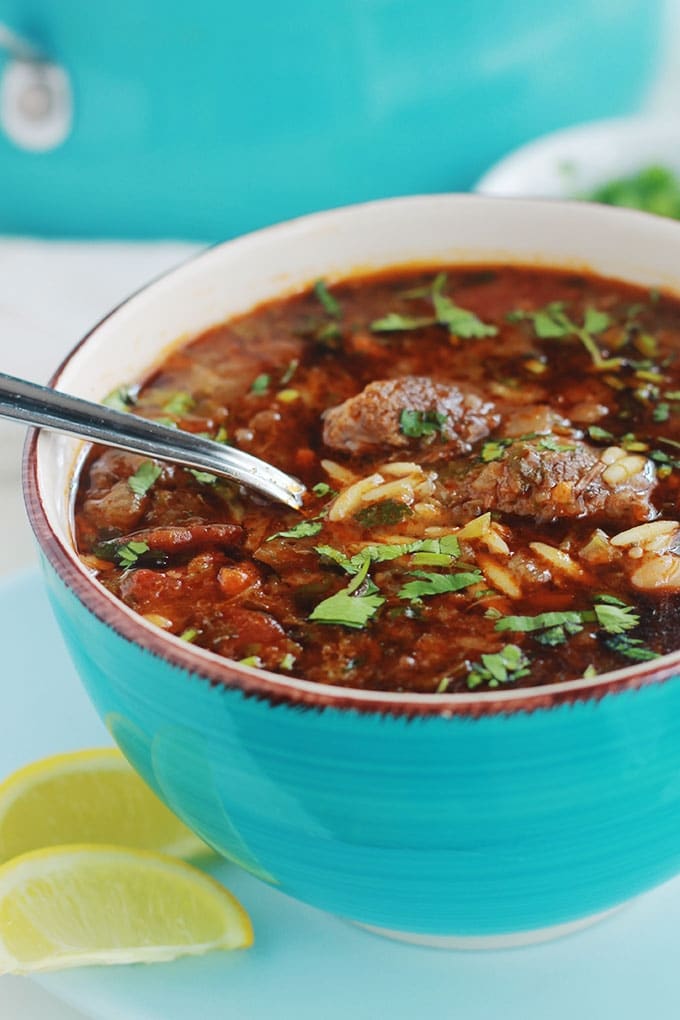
(51, 409)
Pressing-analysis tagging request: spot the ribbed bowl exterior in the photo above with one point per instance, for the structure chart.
(468, 826)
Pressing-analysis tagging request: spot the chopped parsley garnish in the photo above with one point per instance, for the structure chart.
(189, 635)
(329, 304)
(122, 398)
(302, 530)
(204, 477)
(260, 385)
(496, 668)
(550, 443)
(348, 608)
(437, 584)
(494, 450)
(612, 616)
(178, 404)
(553, 323)
(251, 660)
(600, 435)
(447, 547)
(632, 648)
(144, 477)
(321, 489)
(416, 424)
(128, 554)
(395, 323)
(460, 322)
(559, 625)
(379, 515)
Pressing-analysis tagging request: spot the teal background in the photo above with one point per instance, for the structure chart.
(453, 826)
(206, 119)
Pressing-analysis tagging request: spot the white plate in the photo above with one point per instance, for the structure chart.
(570, 163)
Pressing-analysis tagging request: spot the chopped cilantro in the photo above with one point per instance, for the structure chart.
(548, 628)
(661, 412)
(302, 530)
(613, 615)
(347, 608)
(595, 321)
(506, 666)
(550, 443)
(437, 584)
(321, 489)
(632, 648)
(178, 404)
(387, 512)
(122, 398)
(252, 660)
(431, 559)
(144, 477)
(260, 385)
(416, 424)
(494, 450)
(127, 555)
(204, 477)
(189, 635)
(600, 434)
(329, 304)
(460, 321)
(394, 323)
(552, 323)
(446, 547)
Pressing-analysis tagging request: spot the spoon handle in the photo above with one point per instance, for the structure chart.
(51, 409)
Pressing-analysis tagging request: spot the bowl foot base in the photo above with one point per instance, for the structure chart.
(511, 940)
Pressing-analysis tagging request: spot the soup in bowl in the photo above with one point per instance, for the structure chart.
(439, 701)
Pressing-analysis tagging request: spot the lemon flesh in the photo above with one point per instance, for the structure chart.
(75, 906)
(87, 797)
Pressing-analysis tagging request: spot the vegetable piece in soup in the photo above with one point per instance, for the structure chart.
(492, 457)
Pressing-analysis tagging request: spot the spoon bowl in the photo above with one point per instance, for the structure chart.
(32, 404)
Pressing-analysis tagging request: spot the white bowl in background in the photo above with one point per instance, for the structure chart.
(573, 162)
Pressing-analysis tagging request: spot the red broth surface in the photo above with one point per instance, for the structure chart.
(493, 459)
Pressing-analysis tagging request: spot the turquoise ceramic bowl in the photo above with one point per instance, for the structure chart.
(469, 819)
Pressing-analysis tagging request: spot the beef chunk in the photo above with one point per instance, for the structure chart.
(371, 419)
(531, 480)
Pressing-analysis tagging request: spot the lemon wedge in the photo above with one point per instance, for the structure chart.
(74, 906)
(87, 797)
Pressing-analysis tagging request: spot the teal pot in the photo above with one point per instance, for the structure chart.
(208, 119)
(469, 819)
